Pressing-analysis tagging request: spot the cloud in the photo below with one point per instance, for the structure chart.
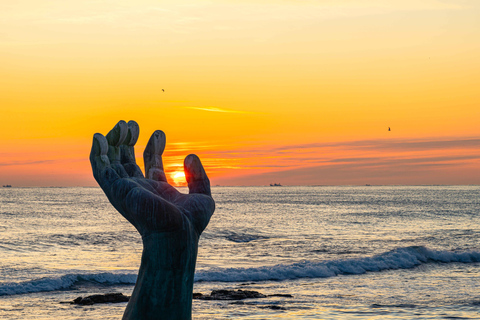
(413, 161)
(420, 144)
(223, 14)
(412, 144)
(391, 172)
(370, 149)
(215, 109)
(24, 163)
(402, 161)
(36, 162)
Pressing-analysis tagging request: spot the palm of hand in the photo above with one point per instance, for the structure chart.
(149, 203)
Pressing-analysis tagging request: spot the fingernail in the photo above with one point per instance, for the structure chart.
(133, 133)
(118, 134)
(101, 144)
(193, 167)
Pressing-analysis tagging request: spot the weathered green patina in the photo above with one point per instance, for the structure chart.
(169, 222)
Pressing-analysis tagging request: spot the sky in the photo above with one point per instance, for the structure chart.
(264, 91)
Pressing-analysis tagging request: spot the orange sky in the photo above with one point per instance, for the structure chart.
(263, 91)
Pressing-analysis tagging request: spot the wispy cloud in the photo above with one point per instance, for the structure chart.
(221, 20)
(411, 171)
(24, 163)
(404, 144)
(216, 109)
(37, 162)
(350, 162)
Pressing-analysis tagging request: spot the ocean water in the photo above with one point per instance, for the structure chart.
(341, 252)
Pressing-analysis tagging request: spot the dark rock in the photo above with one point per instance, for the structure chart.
(77, 300)
(280, 295)
(101, 298)
(86, 301)
(236, 295)
(230, 295)
(273, 307)
(198, 295)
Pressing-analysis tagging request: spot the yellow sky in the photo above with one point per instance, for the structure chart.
(263, 91)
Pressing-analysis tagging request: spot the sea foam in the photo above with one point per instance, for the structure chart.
(65, 282)
(400, 258)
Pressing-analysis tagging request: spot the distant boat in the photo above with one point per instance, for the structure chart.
(367, 185)
(275, 185)
(7, 185)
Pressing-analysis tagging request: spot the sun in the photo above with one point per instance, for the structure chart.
(178, 178)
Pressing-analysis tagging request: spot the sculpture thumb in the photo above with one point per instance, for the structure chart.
(197, 179)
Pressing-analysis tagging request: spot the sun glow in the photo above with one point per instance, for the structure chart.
(236, 73)
(178, 178)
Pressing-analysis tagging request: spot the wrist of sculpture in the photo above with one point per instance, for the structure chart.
(167, 272)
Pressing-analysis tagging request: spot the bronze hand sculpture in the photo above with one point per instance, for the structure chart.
(169, 222)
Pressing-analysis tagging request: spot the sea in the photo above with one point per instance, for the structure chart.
(348, 252)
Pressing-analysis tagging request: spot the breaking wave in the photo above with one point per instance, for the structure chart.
(65, 282)
(400, 258)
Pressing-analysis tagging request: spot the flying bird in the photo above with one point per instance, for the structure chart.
(389, 129)
(163, 90)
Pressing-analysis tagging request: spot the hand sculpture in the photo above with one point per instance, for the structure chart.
(169, 222)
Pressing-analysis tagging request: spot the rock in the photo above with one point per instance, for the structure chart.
(274, 307)
(229, 295)
(77, 300)
(86, 301)
(101, 298)
(236, 295)
(198, 295)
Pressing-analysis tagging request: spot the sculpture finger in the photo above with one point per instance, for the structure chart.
(117, 135)
(127, 151)
(101, 166)
(115, 138)
(152, 157)
(196, 176)
(132, 134)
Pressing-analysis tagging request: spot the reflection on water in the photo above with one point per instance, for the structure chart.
(60, 243)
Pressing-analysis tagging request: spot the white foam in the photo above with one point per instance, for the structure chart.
(64, 282)
(401, 258)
